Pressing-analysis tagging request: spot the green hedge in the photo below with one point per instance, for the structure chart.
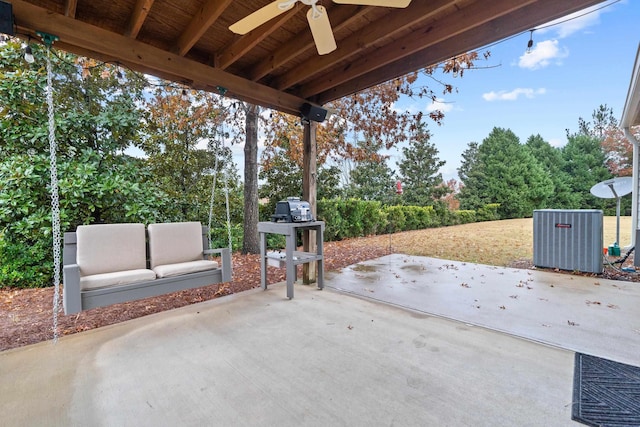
(347, 218)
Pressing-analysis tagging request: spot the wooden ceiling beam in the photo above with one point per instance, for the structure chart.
(80, 37)
(303, 41)
(415, 14)
(138, 16)
(452, 24)
(247, 42)
(206, 16)
(521, 20)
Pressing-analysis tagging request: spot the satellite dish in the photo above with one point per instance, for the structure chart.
(613, 188)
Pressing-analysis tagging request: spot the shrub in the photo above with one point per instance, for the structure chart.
(26, 265)
(488, 212)
(346, 218)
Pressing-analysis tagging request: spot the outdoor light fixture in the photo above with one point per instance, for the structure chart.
(28, 55)
(530, 44)
(120, 77)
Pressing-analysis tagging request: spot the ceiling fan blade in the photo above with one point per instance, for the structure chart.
(384, 3)
(321, 30)
(260, 16)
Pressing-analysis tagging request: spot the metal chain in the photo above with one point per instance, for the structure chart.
(213, 190)
(55, 201)
(226, 192)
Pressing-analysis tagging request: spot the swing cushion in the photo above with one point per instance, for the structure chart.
(111, 254)
(177, 248)
(104, 280)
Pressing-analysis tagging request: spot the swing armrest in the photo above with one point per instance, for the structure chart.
(225, 258)
(71, 289)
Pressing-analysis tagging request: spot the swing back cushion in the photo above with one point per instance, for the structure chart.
(176, 248)
(111, 254)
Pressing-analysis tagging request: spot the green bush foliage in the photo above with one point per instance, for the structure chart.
(346, 218)
(354, 218)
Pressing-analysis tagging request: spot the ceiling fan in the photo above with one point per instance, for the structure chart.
(317, 17)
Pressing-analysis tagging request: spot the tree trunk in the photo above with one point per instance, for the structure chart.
(250, 243)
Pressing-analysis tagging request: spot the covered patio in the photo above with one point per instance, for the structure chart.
(347, 355)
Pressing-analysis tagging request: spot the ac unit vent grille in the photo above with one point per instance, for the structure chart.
(568, 239)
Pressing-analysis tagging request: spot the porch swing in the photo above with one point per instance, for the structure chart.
(105, 264)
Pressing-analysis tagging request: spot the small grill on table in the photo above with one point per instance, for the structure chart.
(292, 210)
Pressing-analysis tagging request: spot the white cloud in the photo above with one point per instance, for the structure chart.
(542, 55)
(439, 104)
(513, 95)
(575, 22)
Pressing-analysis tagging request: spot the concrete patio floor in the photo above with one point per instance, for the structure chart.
(335, 358)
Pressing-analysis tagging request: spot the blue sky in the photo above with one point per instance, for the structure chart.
(572, 69)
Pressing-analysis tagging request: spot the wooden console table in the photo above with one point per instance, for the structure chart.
(292, 257)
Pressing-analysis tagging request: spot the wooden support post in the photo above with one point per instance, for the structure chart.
(309, 189)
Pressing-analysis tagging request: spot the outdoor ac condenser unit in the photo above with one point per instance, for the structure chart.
(568, 239)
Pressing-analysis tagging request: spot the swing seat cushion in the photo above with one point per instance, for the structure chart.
(170, 270)
(117, 278)
(111, 255)
(176, 248)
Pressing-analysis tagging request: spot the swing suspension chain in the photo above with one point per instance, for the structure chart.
(213, 189)
(226, 194)
(55, 201)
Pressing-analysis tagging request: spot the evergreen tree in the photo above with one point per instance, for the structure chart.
(505, 172)
(469, 160)
(371, 178)
(584, 163)
(551, 160)
(419, 169)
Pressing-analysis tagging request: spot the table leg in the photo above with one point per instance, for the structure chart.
(263, 260)
(320, 268)
(291, 268)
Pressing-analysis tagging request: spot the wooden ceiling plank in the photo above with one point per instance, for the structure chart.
(385, 27)
(303, 41)
(247, 42)
(138, 16)
(200, 23)
(70, 7)
(538, 13)
(97, 42)
(470, 17)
